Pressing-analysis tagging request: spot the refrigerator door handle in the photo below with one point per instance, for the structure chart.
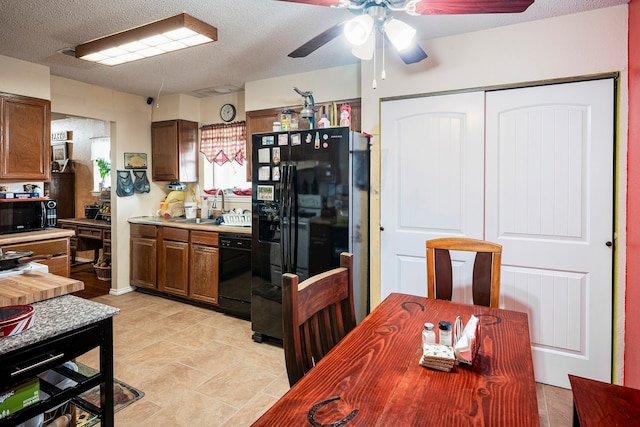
(283, 219)
(293, 255)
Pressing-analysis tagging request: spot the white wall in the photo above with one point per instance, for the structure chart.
(566, 46)
(130, 118)
(24, 78)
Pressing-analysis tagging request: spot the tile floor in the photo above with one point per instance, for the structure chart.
(198, 367)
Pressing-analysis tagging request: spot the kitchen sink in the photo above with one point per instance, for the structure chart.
(193, 221)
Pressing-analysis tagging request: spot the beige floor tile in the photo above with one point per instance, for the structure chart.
(199, 367)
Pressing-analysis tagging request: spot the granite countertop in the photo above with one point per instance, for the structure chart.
(205, 225)
(56, 316)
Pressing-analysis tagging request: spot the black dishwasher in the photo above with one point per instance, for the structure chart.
(234, 274)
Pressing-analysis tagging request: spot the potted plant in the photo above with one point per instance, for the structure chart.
(104, 168)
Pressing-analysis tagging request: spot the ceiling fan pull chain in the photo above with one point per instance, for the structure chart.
(383, 74)
(374, 84)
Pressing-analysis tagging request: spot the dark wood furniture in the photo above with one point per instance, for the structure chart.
(596, 403)
(317, 314)
(25, 149)
(174, 151)
(65, 327)
(62, 188)
(373, 376)
(486, 269)
(52, 242)
(90, 234)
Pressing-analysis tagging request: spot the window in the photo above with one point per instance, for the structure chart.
(101, 160)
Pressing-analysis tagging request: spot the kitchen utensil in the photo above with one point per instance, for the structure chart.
(12, 259)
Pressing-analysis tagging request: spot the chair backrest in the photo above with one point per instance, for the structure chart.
(486, 269)
(316, 314)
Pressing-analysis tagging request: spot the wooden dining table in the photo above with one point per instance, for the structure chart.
(373, 376)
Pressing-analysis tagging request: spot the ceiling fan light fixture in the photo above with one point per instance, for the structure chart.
(358, 29)
(167, 35)
(400, 33)
(365, 50)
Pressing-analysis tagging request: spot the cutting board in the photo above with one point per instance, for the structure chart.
(35, 286)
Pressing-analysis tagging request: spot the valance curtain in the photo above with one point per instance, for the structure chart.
(222, 143)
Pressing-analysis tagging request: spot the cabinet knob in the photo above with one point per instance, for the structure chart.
(381, 228)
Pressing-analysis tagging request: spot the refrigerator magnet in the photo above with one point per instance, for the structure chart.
(295, 139)
(265, 192)
(283, 139)
(264, 173)
(264, 155)
(276, 155)
(275, 173)
(268, 140)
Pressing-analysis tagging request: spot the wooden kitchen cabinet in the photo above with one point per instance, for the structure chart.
(25, 138)
(143, 249)
(203, 267)
(59, 249)
(173, 261)
(62, 189)
(174, 151)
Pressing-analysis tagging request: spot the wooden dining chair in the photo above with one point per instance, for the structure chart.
(317, 313)
(486, 269)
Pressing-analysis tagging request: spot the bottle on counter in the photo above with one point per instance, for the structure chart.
(428, 334)
(324, 122)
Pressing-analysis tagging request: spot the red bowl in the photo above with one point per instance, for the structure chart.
(15, 319)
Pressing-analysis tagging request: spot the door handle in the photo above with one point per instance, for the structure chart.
(609, 243)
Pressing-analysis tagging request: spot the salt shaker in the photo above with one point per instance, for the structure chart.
(428, 334)
(445, 333)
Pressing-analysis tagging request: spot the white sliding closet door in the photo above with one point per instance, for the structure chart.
(532, 171)
(549, 172)
(432, 171)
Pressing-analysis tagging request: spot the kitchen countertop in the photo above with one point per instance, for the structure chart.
(31, 236)
(55, 316)
(208, 226)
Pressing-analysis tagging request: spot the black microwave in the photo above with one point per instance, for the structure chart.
(27, 215)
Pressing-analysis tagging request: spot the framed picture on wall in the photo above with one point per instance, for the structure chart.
(135, 160)
(59, 152)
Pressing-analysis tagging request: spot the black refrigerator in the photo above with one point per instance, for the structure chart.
(310, 202)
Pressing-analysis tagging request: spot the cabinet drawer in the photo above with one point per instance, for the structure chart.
(106, 249)
(90, 233)
(176, 234)
(204, 238)
(142, 230)
(107, 235)
(44, 247)
(58, 265)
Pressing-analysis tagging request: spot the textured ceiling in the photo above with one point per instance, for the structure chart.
(254, 38)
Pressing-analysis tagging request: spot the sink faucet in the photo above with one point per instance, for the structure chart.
(222, 207)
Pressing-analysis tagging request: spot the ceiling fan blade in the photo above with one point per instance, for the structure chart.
(318, 41)
(453, 7)
(316, 2)
(413, 54)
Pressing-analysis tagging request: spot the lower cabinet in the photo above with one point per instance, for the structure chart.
(143, 250)
(203, 267)
(173, 261)
(58, 251)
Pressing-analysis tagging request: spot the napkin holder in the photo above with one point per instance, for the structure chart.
(466, 346)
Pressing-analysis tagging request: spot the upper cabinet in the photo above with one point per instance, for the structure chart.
(174, 151)
(25, 140)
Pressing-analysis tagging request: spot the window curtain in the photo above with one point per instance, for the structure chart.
(222, 143)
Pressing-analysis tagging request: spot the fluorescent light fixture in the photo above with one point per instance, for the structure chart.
(167, 35)
(357, 30)
(400, 33)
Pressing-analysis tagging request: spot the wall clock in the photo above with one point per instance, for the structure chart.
(228, 112)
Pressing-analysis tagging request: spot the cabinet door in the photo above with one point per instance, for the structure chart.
(203, 283)
(174, 267)
(143, 262)
(174, 151)
(25, 148)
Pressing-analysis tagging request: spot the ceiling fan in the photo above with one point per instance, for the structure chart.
(376, 15)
